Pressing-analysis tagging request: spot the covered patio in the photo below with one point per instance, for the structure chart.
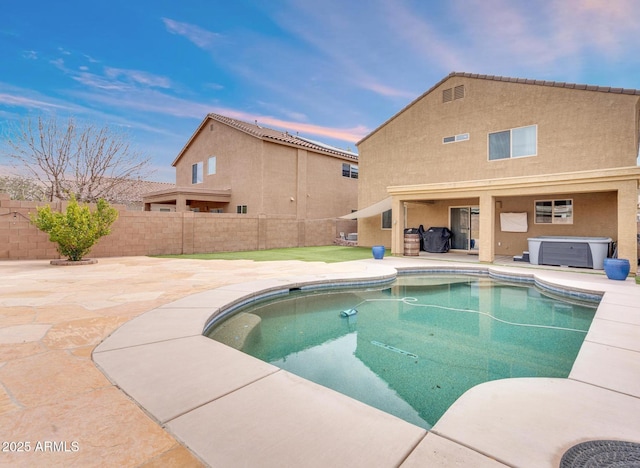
(603, 203)
(187, 199)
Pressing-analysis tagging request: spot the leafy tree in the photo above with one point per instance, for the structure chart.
(65, 158)
(77, 230)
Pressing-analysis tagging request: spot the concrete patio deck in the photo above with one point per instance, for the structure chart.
(232, 410)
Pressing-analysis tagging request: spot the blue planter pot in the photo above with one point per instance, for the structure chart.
(617, 268)
(378, 251)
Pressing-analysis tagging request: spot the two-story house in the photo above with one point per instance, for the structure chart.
(231, 166)
(500, 160)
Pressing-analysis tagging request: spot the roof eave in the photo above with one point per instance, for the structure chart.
(193, 136)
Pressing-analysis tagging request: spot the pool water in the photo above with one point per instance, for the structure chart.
(413, 348)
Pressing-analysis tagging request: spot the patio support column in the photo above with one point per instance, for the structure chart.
(627, 224)
(397, 226)
(181, 203)
(486, 250)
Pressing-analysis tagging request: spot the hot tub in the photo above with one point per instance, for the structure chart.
(586, 252)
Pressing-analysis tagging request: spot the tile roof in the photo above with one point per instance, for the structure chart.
(555, 84)
(281, 137)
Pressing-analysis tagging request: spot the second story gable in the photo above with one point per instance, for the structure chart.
(231, 166)
(476, 127)
(223, 147)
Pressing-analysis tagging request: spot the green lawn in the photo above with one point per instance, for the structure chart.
(327, 254)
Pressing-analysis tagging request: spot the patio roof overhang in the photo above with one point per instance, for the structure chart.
(623, 181)
(572, 182)
(188, 193)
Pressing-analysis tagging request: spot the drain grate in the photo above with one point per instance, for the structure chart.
(602, 453)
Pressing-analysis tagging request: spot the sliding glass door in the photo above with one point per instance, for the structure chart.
(465, 228)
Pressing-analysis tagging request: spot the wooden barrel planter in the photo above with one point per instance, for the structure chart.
(412, 244)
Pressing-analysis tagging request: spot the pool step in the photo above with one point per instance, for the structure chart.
(236, 330)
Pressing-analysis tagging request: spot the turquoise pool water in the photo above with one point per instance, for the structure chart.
(411, 349)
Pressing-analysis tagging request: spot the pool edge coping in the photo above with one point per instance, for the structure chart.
(374, 275)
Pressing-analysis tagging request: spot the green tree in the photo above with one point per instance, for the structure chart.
(78, 229)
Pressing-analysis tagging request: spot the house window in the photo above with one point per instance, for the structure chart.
(211, 165)
(455, 138)
(196, 173)
(554, 211)
(349, 170)
(513, 143)
(241, 209)
(386, 220)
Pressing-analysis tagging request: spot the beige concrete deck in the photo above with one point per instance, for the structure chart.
(165, 382)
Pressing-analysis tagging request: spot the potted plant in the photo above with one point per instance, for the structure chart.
(76, 230)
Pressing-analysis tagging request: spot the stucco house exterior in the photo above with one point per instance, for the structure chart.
(478, 153)
(231, 166)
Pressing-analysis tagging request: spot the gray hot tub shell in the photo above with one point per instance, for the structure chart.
(588, 252)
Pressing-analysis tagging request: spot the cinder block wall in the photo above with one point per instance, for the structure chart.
(157, 233)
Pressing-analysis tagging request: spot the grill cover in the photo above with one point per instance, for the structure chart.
(436, 240)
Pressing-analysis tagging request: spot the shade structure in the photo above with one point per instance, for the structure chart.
(371, 210)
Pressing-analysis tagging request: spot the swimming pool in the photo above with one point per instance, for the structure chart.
(413, 347)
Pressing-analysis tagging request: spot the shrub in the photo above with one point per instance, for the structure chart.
(77, 230)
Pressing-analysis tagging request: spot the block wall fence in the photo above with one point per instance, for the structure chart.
(158, 233)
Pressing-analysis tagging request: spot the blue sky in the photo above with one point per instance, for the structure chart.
(332, 70)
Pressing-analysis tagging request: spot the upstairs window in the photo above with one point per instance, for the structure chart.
(196, 173)
(241, 209)
(211, 165)
(514, 143)
(349, 170)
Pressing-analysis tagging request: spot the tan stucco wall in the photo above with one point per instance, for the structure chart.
(269, 178)
(577, 130)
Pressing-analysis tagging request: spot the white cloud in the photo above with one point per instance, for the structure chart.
(19, 100)
(200, 37)
(214, 86)
(139, 77)
(610, 27)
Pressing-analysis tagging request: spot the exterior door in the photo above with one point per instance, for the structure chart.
(465, 228)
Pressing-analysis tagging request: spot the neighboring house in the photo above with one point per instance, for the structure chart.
(230, 166)
(478, 153)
